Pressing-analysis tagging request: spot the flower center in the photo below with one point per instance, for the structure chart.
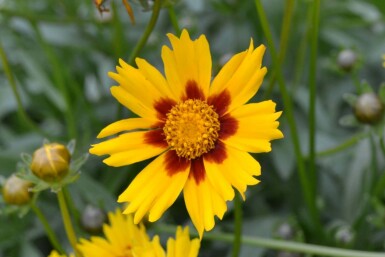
(191, 128)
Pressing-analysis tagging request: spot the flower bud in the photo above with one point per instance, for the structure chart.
(346, 59)
(369, 109)
(51, 162)
(93, 219)
(15, 191)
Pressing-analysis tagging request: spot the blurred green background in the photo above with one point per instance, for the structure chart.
(60, 52)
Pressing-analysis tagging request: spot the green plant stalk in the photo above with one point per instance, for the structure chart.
(309, 196)
(48, 230)
(344, 145)
(278, 244)
(150, 26)
(312, 95)
(21, 112)
(237, 225)
(173, 19)
(59, 81)
(301, 53)
(285, 31)
(67, 222)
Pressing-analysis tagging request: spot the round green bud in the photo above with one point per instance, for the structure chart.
(93, 219)
(369, 109)
(346, 59)
(16, 191)
(51, 162)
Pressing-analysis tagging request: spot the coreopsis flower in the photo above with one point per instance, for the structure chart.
(56, 254)
(181, 246)
(201, 130)
(120, 237)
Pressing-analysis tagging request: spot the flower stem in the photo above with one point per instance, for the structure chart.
(59, 77)
(277, 244)
(67, 222)
(309, 196)
(237, 225)
(147, 31)
(312, 95)
(51, 235)
(173, 19)
(21, 112)
(285, 31)
(344, 145)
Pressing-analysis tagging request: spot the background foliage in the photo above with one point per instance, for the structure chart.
(60, 53)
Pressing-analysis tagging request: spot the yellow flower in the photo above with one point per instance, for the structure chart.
(181, 246)
(202, 130)
(56, 254)
(121, 236)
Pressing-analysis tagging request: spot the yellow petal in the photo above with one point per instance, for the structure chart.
(155, 78)
(202, 203)
(241, 76)
(133, 103)
(126, 125)
(187, 61)
(182, 246)
(127, 148)
(153, 190)
(257, 126)
(246, 168)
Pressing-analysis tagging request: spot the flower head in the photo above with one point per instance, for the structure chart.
(121, 236)
(201, 130)
(56, 254)
(181, 246)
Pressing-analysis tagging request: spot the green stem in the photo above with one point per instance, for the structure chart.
(59, 80)
(301, 53)
(67, 222)
(237, 225)
(173, 19)
(288, 106)
(51, 235)
(344, 145)
(147, 32)
(21, 112)
(285, 32)
(277, 244)
(312, 95)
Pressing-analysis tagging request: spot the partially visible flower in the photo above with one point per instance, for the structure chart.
(51, 162)
(56, 254)
(181, 246)
(120, 237)
(200, 130)
(383, 60)
(16, 191)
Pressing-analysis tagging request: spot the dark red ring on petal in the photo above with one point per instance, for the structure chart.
(221, 102)
(218, 154)
(155, 137)
(174, 163)
(193, 91)
(163, 106)
(228, 126)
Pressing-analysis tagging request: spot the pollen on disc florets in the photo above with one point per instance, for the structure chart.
(191, 128)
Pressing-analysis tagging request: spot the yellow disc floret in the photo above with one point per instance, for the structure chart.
(191, 128)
